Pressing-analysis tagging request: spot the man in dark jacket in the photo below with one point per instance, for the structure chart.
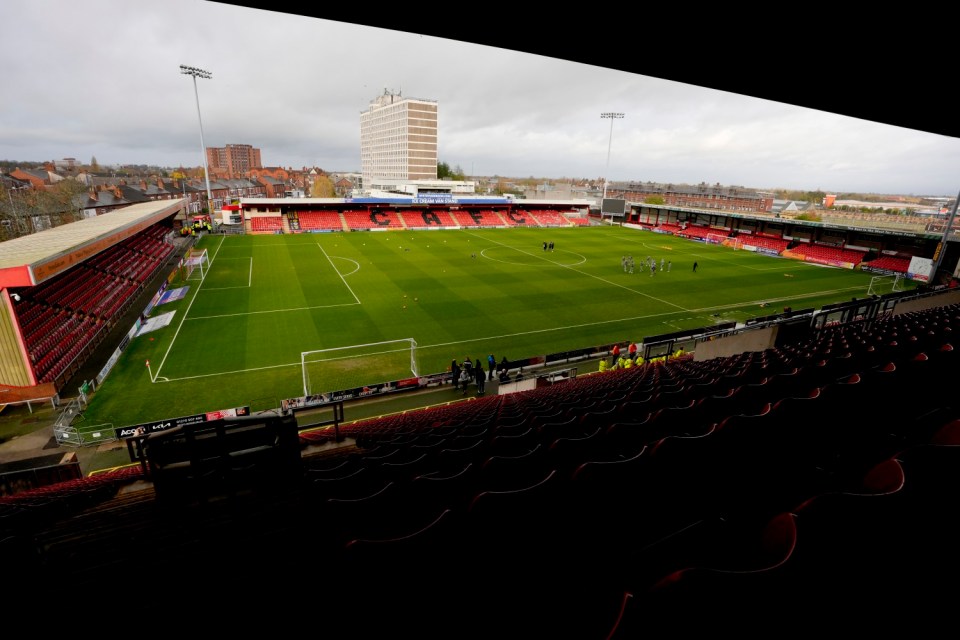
(480, 376)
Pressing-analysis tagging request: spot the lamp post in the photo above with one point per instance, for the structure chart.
(200, 73)
(611, 116)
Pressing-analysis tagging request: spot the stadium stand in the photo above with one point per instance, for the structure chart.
(65, 317)
(582, 221)
(824, 253)
(472, 517)
(764, 242)
(895, 264)
(320, 221)
(549, 218)
(365, 220)
(478, 218)
(427, 219)
(694, 231)
(266, 224)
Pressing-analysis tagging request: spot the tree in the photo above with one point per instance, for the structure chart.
(443, 170)
(93, 164)
(322, 187)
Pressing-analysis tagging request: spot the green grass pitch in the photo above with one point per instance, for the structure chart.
(235, 339)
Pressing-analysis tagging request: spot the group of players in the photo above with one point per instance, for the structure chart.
(651, 263)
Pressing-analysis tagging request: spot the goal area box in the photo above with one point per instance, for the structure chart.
(340, 368)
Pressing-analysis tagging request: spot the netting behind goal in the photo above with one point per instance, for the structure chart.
(880, 285)
(358, 365)
(195, 264)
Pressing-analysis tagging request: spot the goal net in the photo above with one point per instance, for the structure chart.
(343, 368)
(715, 238)
(195, 262)
(880, 285)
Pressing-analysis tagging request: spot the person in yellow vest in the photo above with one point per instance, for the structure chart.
(639, 360)
(627, 363)
(603, 364)
(678, 352)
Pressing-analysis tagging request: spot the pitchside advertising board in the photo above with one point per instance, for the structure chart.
(162, 425)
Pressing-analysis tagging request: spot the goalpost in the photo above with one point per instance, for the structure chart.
(342, 368)
(878, 284)
(195, 260)
(715, 238)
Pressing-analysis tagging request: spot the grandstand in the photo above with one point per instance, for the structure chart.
(64, 289)
(586, 506)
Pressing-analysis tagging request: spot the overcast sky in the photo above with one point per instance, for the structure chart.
(101, 78)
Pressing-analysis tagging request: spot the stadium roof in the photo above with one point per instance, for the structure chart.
(31, 259)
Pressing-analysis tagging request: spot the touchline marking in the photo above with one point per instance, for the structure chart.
(186, 312)
(646, 295)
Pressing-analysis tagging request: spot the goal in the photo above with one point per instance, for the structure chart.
(194, 261)
(715, 238)
(880, 285)
(343, 368)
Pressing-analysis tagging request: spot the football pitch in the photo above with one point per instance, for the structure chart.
(236, 336)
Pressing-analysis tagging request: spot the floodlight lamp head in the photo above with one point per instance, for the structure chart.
(195, 72)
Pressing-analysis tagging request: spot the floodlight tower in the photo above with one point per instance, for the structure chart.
(200, 73)
(611, 116)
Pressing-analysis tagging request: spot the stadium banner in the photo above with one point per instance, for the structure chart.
(920, 269)
(321, 399)
(878, 270)
(766, 251)
(112, 360)
(435, 379)
(830, 263)
(154, 300)
(578, 354)
(147, 428)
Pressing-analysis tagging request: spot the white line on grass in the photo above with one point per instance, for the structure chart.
(186, 312)
(356, 264)
(633, 319)
(252, 313)
(226, 373)
(520, 333)
(249, 281)
(646, 295)
(340, 274)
